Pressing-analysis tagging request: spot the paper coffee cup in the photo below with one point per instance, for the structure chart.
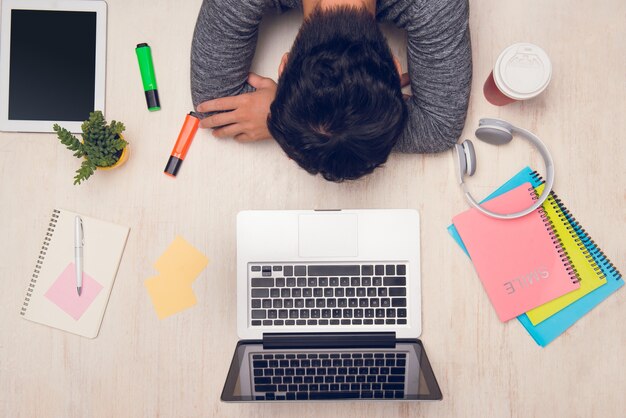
(522, 71)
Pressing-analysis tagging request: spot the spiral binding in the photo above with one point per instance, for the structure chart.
(589, 248)
(40, 258)
(556, 241)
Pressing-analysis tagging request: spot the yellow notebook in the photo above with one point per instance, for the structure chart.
(588, 272)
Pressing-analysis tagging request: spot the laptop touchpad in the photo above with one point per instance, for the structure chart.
(328, 235)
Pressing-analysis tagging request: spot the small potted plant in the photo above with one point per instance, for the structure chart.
(102, 146)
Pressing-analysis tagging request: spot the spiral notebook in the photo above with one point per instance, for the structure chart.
(590, 275)
(51, 298)
(551, 328)
(520, 262)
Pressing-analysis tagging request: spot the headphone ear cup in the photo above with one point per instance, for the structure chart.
(494, 134)
(461, 160)
(470, 157)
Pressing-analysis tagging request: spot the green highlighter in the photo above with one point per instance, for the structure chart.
(144, 56)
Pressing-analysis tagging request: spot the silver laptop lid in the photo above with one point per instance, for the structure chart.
(291, 265)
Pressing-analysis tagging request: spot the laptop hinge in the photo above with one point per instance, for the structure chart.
(330, 340)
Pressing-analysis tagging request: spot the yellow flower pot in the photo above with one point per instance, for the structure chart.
(122, 159)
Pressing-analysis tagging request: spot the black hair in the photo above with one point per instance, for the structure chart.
(338, 109)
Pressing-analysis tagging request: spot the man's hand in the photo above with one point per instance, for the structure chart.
(245, 116)
(405, 80)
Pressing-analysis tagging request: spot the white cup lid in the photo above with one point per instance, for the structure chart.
(522, 71)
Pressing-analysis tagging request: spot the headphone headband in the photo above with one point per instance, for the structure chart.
(495, 131)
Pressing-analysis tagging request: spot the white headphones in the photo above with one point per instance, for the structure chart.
(499, 132)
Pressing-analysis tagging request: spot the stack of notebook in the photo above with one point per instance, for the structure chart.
(542, 268)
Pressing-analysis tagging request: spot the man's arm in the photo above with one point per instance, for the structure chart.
(223, 46)
(440, 67)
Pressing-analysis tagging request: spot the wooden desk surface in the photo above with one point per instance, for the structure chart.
(141, 366)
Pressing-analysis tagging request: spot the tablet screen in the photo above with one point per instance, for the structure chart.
(53, 65)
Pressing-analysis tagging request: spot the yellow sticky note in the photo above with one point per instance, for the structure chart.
(169, 295)
(178, 266)
(181, 260)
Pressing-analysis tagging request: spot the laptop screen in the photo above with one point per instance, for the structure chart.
(258, 374)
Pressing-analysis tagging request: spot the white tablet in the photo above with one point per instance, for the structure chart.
(52, 63)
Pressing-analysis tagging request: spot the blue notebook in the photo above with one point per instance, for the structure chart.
(548, 330)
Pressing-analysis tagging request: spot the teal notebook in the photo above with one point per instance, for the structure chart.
(548, 330)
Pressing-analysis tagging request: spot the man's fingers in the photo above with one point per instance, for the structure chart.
(405, 80)
(216, 105)
(219, 119)
(257, 81)
(228, 131)
(243, 138)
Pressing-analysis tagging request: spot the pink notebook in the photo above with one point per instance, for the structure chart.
(519, 261)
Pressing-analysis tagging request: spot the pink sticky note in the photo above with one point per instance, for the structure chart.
(63, 292)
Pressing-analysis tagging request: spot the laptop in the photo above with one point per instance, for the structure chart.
(329, 307)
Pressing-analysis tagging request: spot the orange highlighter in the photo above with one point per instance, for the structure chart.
(185, 137)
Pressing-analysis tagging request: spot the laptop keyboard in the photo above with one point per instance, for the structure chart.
(334, 375)
(290, 294)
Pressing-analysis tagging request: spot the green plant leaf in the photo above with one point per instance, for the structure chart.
(70, 141)
(85, 171)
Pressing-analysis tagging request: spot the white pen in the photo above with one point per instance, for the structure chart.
(78, 253)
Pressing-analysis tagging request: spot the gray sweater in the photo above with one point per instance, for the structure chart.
(439, 57)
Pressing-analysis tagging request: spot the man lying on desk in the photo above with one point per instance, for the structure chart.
(337, 109)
